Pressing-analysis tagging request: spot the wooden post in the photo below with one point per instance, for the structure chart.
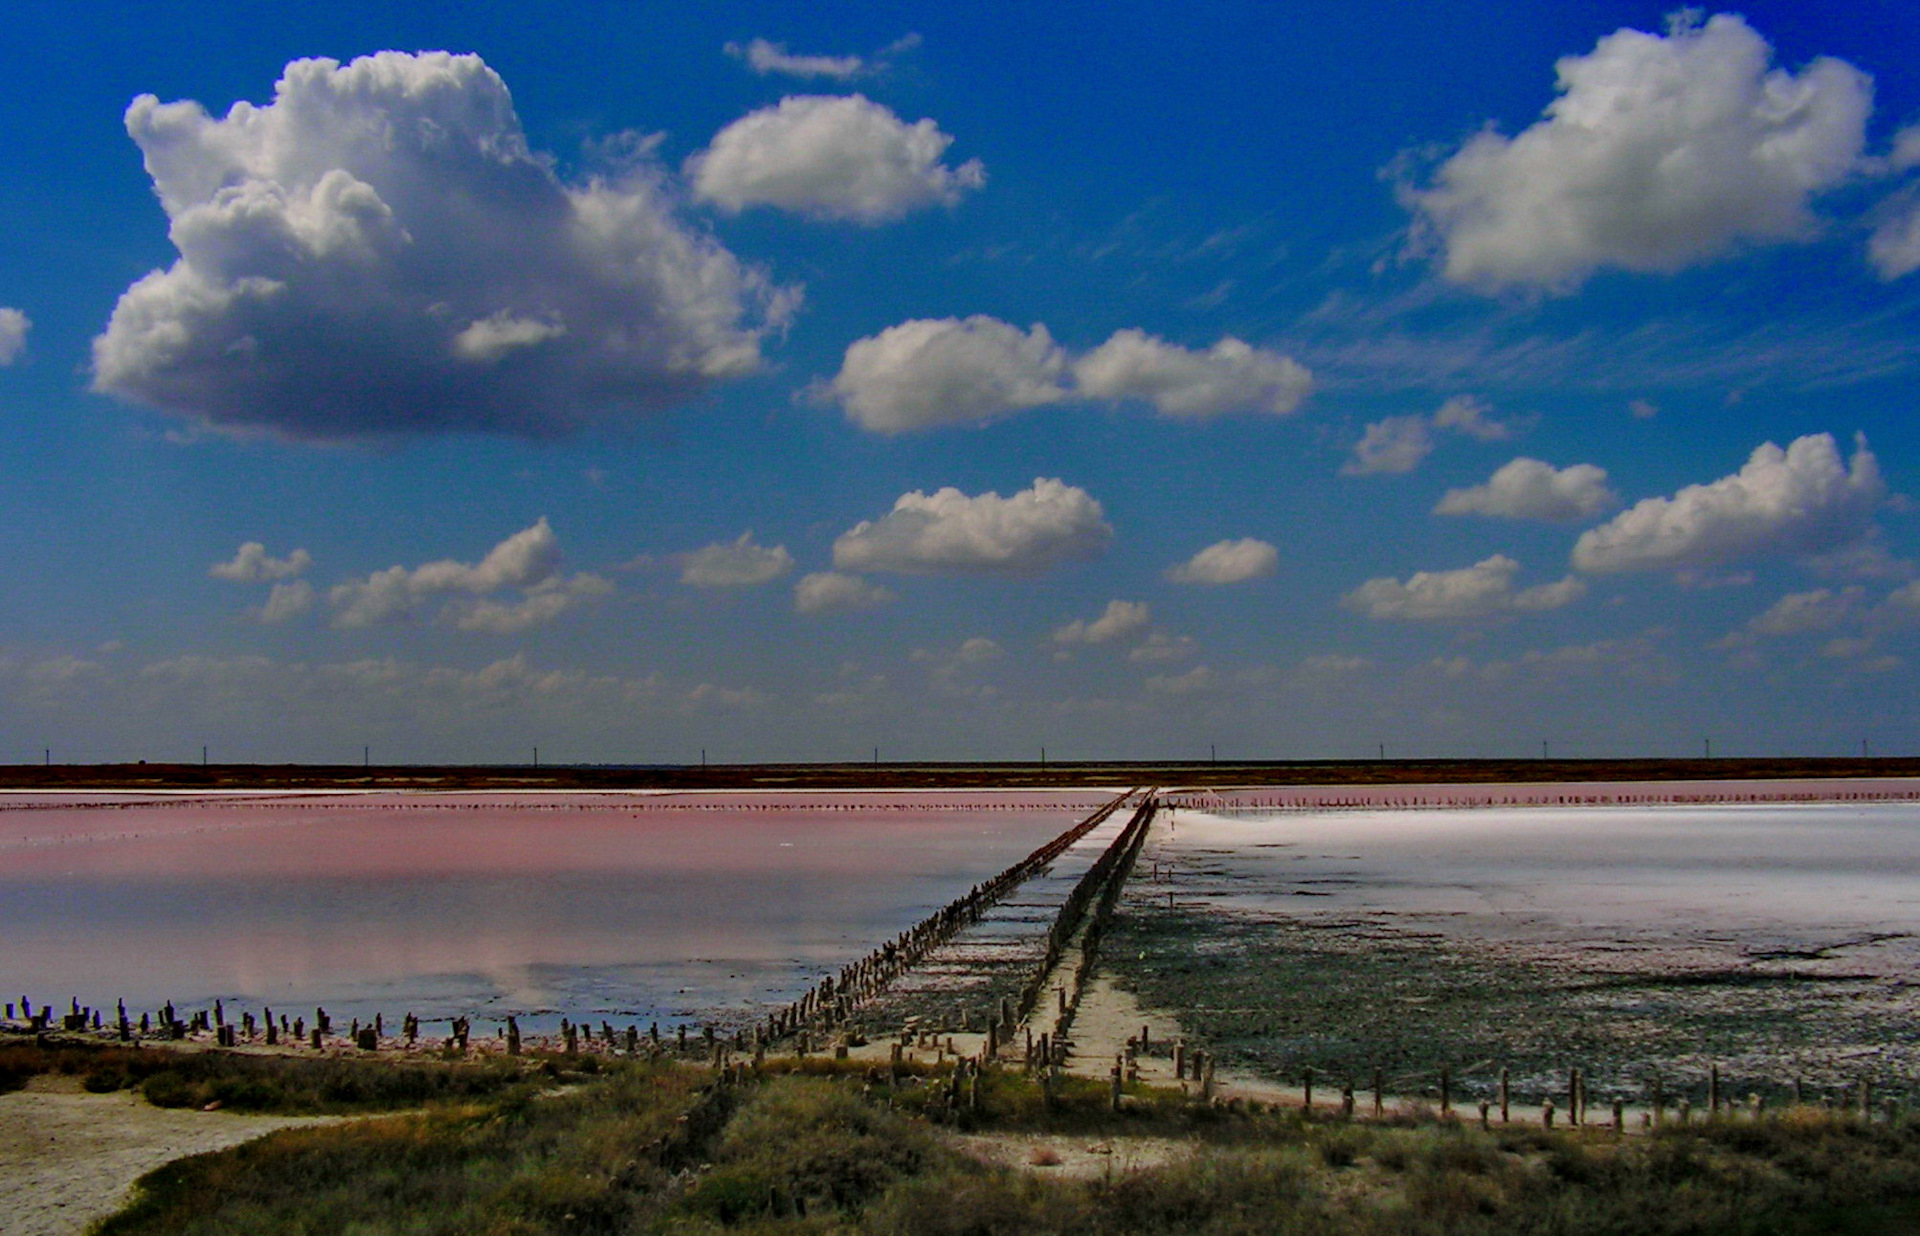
(1446, 1092)
(1713, 1092)
(1659, 1102)
(1180, 1060)
(1379, 1093)
(1546, 1114)
(1346, 1101)
(1506, 1095)
(1306, 1085)
(1485, 1122)
(1573, 1098)
(1619, 1117)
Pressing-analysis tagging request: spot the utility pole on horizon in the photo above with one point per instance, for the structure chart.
(1543, 749)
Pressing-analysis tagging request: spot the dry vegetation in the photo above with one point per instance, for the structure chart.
(641, 1148)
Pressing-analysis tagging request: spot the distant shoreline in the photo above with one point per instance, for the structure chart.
(937, 775)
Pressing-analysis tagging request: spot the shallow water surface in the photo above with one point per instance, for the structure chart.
(668, 907)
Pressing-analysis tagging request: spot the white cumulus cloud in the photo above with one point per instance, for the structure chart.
(14, 326)
(1227, 562)
(831, 157)
(1390, 446)
(1530, 489)
(1472, 416)
(377, 251)
(948, 532)
(1231, 376)
(1120, 620)
(251, 564)
(526, 563)
(286, 601)
(825, 592)
(1482, 590)
(1660, 152)
(1894, 247)
(942, 371)
(1801, 500)
(740, 563)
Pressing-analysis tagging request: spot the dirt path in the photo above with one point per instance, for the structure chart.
(68, 1158)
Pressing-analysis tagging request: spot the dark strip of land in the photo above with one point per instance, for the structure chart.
(929, 776)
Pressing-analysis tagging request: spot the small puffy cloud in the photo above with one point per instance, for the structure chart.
(1642, 409)
(1529, 489)
(286, 601)
(978, 651)
(828, 592)
(1046, 525)
(1330, 664)
(1482, 590)
(1227, 562)
(377, 251)
(1894, 246)
(1391, 446)
(528, 562)
(831, 157)
(1801, 500)
(1160, 646)
(541, 604)
(251, 564)
(1120, 620)
(1195, 681)
(14, 326)
(1659, 153)
(766, 58)
(1399, 444)
(943, 371)
(740, 563)
(1473, 417)
(1231, 376)
(488, 339)
(1800, 612)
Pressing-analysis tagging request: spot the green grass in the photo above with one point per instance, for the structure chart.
(283, 1085)
(835, 1149)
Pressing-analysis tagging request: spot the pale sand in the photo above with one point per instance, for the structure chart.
(68, 1158)
(1074, 1156)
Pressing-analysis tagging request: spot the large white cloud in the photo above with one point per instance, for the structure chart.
(252, 564)
(1530, 489)
(949, 532)
(377, 251)
(1231, 376)
(1659, 152)
(13, 334)
(1120, 620)
(1482, 590)
(827, 592)
(740, 563)
(942, 371)
(831, 157)
(1227, 562)
(1801, 500)
(525, 567)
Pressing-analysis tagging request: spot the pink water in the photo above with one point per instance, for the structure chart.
(616, 906)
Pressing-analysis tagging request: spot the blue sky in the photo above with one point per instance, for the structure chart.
(1293, 381)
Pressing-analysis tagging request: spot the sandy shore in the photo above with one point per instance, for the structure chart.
(68, 1157)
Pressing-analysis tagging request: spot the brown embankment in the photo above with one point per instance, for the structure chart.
(933, 776)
